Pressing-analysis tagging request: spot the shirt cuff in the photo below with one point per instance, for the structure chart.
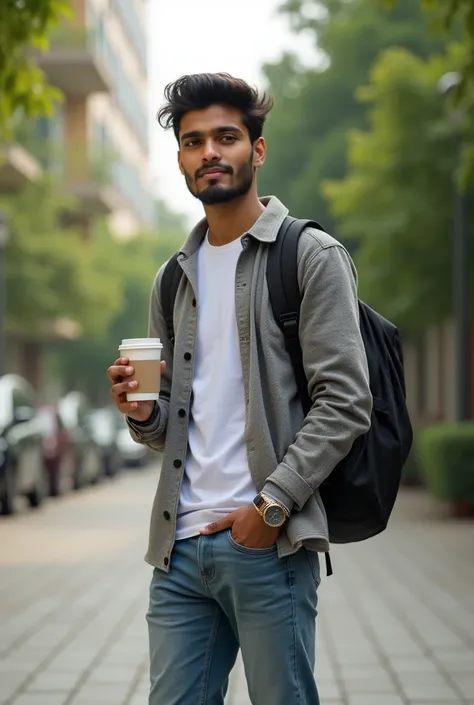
(274, 492)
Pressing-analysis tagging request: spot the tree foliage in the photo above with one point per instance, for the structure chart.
(83, 363)
(364, 144)
(51, 271)
(315, 109)
(397, 198)
(460, 14)
(25, 25)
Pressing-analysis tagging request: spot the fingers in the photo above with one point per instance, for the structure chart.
(122, 388)
(224, 523)
(118, 374)
(121, 369)
(118, 371)
(127, 407)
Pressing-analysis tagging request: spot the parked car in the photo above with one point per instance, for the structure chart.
(133, 454)
(22, 470)
(75, 413)
(105, 431)
(58, 449)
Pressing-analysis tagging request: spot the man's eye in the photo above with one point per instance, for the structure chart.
(191, 143)
(228, 138)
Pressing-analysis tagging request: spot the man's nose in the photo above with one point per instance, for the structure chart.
(211, 153)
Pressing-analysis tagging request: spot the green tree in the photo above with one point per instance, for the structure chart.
(25, 25)
(397, 198)
(51, 271)
(83, 363)
(456, 13)
(307, 130)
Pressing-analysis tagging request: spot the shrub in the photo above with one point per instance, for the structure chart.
(446, 454)
(412, 474)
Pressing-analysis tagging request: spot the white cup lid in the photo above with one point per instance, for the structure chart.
(140, 343)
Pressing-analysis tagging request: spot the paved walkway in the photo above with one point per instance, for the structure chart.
(396, 621)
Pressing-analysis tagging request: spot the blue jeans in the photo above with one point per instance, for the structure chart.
(219, 596)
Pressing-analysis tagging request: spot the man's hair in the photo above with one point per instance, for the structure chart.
(201, 90)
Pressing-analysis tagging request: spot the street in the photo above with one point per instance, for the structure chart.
(396, 622)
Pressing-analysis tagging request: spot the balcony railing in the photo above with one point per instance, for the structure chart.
(73, 161)
(73, 63)
(72, 37)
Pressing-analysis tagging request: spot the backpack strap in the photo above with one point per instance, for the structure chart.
(285, 296)
(285, 300)
(169, 287)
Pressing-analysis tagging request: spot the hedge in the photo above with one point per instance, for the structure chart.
(446, 455)
(412, 474)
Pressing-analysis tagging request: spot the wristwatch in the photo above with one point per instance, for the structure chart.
(272, 513)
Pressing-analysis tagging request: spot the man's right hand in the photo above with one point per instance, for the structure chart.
(118, 374)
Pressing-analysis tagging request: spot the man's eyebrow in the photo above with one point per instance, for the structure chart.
(193, 134)
(227, 128)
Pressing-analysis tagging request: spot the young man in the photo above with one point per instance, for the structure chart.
(237, 521)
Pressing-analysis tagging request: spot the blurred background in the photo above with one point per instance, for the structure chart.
(372, 134)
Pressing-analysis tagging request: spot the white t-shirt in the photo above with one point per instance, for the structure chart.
(217, 478)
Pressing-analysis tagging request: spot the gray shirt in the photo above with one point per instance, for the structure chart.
(289, 455)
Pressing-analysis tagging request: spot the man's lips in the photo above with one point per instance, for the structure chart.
(213, 173)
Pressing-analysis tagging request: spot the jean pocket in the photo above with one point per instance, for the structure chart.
(247, 550)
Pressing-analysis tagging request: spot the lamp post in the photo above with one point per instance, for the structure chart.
(447, 84)
(3, 242)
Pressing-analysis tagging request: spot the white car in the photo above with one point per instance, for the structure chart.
(131, 453)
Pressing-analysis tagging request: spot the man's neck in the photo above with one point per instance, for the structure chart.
(229, 221)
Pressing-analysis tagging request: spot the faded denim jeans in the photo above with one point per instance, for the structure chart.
(219, 596)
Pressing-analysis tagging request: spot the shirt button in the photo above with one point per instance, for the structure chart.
(167, 516)
(194, 302)
(166, 560)
(187, 356)
(182, 413)
(177, 463)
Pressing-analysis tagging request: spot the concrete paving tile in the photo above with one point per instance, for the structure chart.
(41, 699)
(363, 672)
(405, 665)
(110, 674)
(428, 691)
(139, 697)
(9, 684)
(374, 699)
(466, 685)
(372, 685)
(328, 689)
(104, 694)
(51, 681)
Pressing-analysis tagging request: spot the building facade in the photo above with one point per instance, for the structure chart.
(99, 62)
(96, 142)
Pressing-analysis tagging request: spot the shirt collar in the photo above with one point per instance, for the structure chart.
(265, 229)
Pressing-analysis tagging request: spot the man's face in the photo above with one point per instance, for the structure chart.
(216, 156)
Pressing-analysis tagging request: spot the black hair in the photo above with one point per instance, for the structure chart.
(201, 90)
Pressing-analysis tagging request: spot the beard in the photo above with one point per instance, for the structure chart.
(217, 193)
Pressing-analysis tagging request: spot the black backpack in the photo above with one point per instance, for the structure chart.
(360, 492)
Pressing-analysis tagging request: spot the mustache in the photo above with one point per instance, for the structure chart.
(212, 167)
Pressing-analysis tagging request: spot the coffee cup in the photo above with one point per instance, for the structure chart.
(144, 355)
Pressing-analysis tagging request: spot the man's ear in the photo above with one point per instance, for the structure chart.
(259, 152)
(180, 163)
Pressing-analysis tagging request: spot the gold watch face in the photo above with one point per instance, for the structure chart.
(274, 515)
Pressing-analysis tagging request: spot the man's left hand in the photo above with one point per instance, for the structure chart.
(247, 528)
